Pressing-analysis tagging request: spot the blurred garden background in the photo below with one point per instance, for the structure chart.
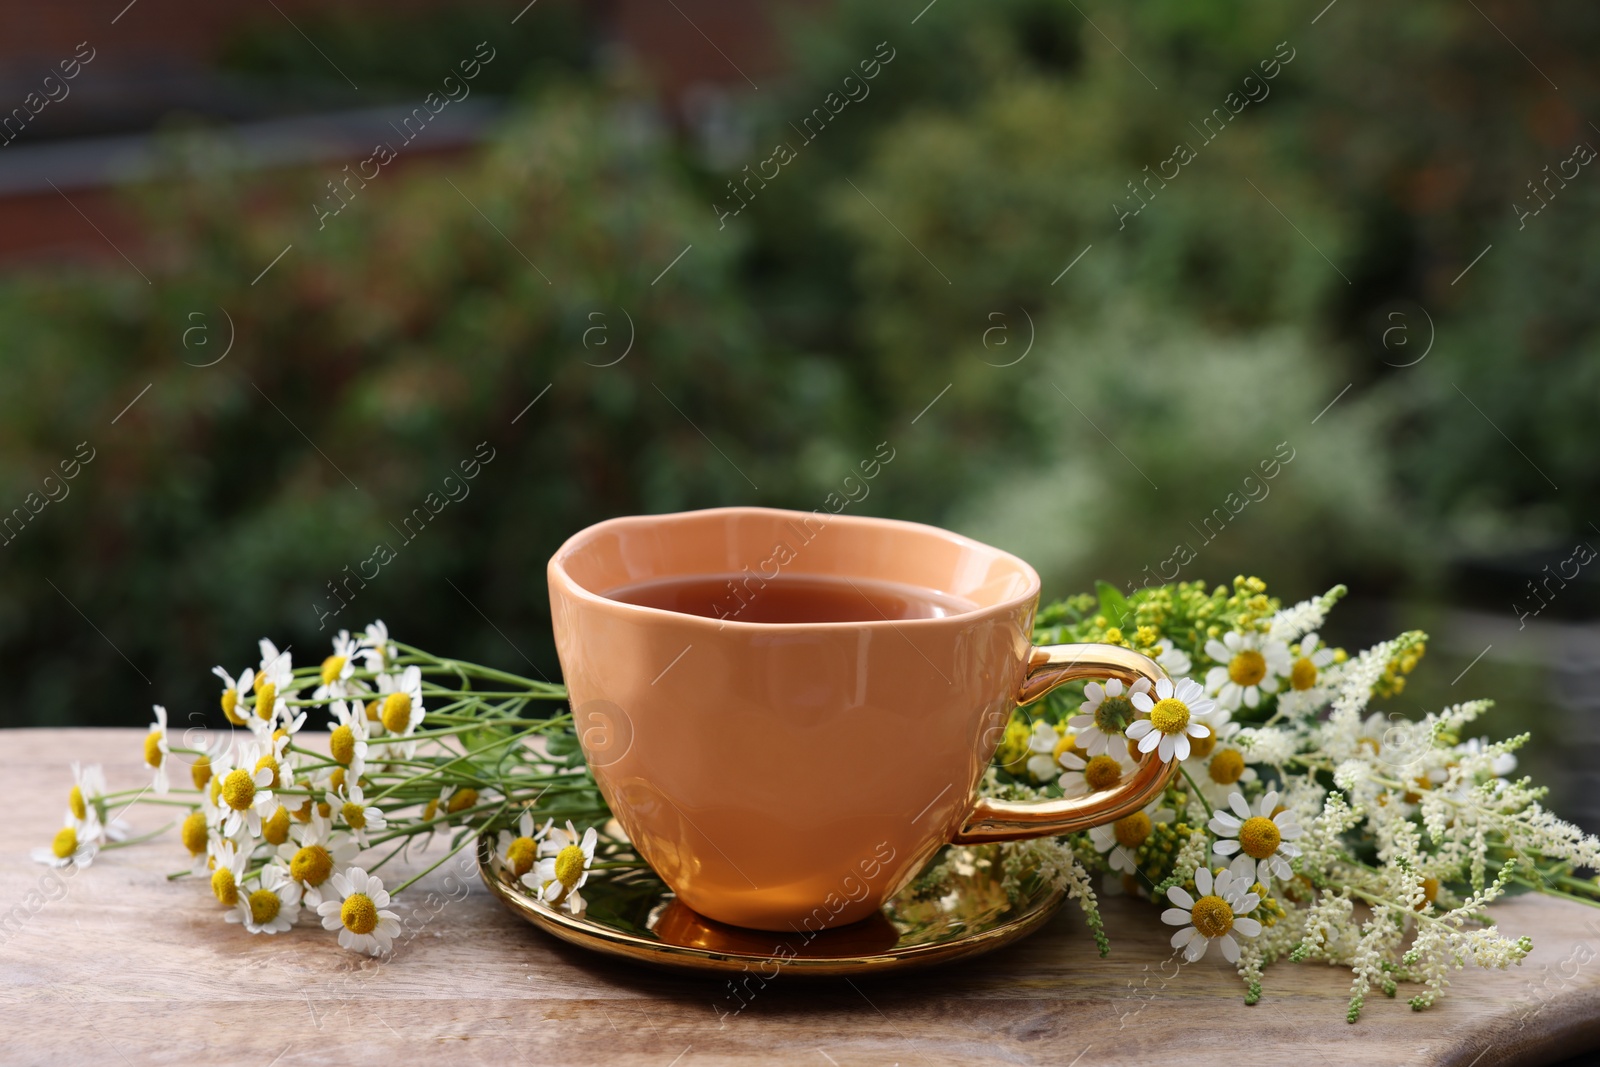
(259, 346)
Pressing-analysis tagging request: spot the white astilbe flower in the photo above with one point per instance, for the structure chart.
(1292, 623)
(1264, 744)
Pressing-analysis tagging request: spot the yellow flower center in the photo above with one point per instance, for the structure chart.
(1170, 716)
(519, 855)
(1303, 675)
(239, 790)
(272, 765)
(372, 711)
(1102, 772)
(1212, 916)
(230, 706)
(303, 812)
(200, 771)
(1369, 742)
(397, 712)
(264, 905)
(569, 866)
(276, 829)
(1259, 837)
(223, 885)
(1113, 714)
(1247, 668)
(1430, 892)
(75, 803)
(311, 865)
(336, 780)
(266, 696)
(359, 914)
(1201, 747)
(331, 669)
(65, 843)
(355, 816)
(215, 789)
(430, 809)
(1227, 766)
(1132, 831)
(194, 833)
(1067, 743)
(152, 748)
(342, 744)
(461, 800)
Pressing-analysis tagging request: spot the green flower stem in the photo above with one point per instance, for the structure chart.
(559, 691)
(428, 774)
(1195, 789)
(465, 840)
(401, 847)
(125, 842)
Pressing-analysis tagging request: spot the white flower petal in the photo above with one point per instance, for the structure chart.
(1180, 896)
(1175, 917)
(1230, 948)
(1203, 881)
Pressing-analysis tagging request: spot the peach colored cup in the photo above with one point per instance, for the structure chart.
(794, 776)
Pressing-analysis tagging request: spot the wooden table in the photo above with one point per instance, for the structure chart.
(124, 967)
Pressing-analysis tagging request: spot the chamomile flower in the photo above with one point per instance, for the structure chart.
(357, 814)
(357, 908)
(558, 878)
(234, 689)
(400, 706)
(1097, 773)
(1178, 713)
(274, 685)
(1174, 660)
(156, 750)
(347, 743)
(520, 851)
(374, 645)
(1249, 667)
(75, 844)
(1262, 839)
(317, 853)
(276, 667)
(1122, 838)
(1222, 910)
(88, 785)
(228, 866)
(1307, 662)
(338, 669)
(1045, 743)
(195, 833)
(245, 795)
(270, 908)
(1103, 717)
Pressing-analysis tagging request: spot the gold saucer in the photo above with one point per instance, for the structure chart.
(959, 907)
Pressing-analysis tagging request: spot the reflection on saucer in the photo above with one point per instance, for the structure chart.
(675, 923)
(965, 902)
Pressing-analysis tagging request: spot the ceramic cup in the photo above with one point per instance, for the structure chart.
(794, 776)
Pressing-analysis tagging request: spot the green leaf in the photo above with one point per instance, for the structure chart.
(1113, 605)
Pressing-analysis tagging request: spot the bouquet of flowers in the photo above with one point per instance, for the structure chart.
(417, 745)
(1300, 824)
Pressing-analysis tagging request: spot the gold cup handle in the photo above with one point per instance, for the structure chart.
(1013, 820)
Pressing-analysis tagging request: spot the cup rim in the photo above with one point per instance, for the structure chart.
(556, 571)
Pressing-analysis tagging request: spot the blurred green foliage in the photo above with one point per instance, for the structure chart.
(918, 241)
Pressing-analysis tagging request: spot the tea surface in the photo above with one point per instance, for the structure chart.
(790, 598)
